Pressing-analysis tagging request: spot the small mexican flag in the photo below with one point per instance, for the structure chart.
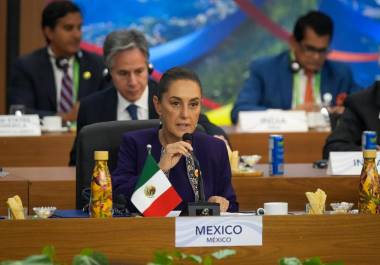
(154, 195)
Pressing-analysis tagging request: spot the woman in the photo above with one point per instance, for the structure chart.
(178, 104)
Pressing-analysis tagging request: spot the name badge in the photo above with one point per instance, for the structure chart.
(272, 121)
(218, 231)
(25, 125)
(347, 163)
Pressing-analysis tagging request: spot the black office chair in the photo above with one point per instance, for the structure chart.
(103, 136)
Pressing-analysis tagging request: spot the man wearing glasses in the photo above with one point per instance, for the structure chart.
(299, 78)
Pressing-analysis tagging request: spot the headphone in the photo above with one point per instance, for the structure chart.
(107, 75)
(63, 62)
(294, 65)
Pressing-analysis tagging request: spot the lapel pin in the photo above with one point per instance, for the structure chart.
(86, 75)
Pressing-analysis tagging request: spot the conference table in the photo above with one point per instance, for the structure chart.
(353, 239)
(55, 186)
(53, 149)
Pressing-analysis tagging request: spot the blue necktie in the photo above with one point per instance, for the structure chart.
(132, 110)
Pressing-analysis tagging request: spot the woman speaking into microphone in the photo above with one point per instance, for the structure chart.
(178, 104)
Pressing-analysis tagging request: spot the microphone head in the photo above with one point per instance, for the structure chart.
(187, 137)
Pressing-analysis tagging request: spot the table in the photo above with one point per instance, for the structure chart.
(298, 147)
(53, 149)
(39, 186)
(349, 238)
(55, 186)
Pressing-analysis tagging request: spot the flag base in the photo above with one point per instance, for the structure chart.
(203, 209)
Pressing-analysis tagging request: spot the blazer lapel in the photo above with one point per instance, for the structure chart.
(110, 109)
(286, 83)
(47, 78)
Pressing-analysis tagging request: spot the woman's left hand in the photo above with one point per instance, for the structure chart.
(223, 202)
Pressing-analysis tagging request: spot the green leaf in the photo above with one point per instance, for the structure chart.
(85, 260)
(86, 252)
(50, 252)
(207, 260)
(37, 260)
(162, 258)
(313, 261)
(290, 261)
(195, 258)
(221, 254)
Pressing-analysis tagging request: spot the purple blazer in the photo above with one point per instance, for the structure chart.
(210, 151)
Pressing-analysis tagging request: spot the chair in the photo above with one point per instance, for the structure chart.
(103, 136)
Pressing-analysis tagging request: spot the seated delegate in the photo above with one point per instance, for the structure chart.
(362, 113)
(297, 78)
(178, 104)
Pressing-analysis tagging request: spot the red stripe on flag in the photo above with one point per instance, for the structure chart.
(164, 204)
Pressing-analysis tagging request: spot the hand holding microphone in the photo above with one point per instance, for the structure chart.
(173, 153)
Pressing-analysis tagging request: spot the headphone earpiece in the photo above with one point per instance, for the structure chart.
(150, 68)
(106, 75)
(295, 66)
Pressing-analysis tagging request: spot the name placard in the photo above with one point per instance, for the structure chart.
(218, 231)
(25, 125)
(347, 163)
(273, 121)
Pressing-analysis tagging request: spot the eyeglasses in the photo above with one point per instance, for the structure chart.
(311, 50)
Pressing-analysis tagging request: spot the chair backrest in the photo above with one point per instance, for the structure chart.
(103, 136)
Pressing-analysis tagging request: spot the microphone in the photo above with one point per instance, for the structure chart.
(188, 137)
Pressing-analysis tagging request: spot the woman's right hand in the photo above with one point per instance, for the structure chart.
(173, 153)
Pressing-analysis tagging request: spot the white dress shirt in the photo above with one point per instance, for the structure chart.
(142, 106)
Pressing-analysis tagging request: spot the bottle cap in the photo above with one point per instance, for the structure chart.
(369, 153)
(101, 155)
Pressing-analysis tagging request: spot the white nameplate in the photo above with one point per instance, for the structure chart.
(25, 125)
(347, 163)
(273, 121)
(218, 231)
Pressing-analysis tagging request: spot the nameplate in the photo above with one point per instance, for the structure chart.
(218, 231)
(347, 163)
(272, 121)
(25, 125)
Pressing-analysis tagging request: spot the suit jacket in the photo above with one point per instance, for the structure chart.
(270, 84)
(32, 81)
(362, 113)
(212, 156)
(102, 106)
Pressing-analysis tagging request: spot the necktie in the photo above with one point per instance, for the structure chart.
(66, 101)
(132, 110)
(309, 98)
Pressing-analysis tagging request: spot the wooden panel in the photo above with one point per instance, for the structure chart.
(10, 186)
(349, 238)
(31, 36)
(3, 52)
(252, 192)
(45, 150)
(48, 186)
(299, 147)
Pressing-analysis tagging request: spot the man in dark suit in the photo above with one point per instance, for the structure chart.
(52, 80)
(299, 78)
(126, 56)
(362, 113)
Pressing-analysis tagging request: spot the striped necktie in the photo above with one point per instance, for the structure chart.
(66, 101)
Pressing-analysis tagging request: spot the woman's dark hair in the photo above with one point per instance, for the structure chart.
(56, 10)
(174, 74)
(317, 21)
